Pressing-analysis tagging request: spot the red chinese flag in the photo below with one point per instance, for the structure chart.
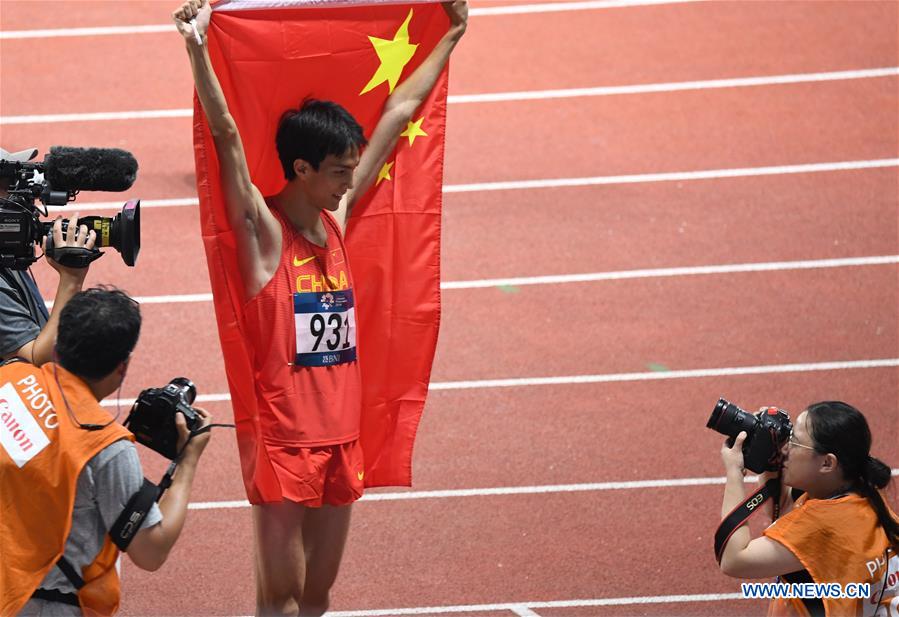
(269, 58)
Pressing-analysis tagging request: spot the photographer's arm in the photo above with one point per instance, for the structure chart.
(150, 547)
(40, 350)
(257, 231)
(742, 556)
(401, 105)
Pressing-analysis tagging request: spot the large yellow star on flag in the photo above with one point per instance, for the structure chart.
(384, 174)
(394, 56)
(413, 130)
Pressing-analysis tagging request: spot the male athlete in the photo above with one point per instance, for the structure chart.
(293, 263)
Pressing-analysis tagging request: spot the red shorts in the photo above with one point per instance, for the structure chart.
(325, 475)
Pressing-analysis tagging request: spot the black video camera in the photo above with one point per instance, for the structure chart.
(55, 181)
(152, 418)
(766, 433)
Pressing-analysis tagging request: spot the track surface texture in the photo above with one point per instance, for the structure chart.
(515, 507)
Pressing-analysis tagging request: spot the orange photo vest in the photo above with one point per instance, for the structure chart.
(42, 453)
(838, 541)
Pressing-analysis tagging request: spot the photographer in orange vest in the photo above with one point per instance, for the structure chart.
(840, 531)
(68, 470)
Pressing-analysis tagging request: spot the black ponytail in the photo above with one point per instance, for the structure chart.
(840, 429)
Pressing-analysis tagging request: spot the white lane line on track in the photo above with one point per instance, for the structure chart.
(150, 114)
(738, 82)
(513, 606)
(592, 277)
(523, 611)
(677, 176)
(517, 9)
(518, 382)
(669, 272)
(509, 490)
(93, 206)
(664, 375)
(709, 174)
(555, 7)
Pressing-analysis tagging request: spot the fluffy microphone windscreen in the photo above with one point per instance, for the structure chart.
(90, 169)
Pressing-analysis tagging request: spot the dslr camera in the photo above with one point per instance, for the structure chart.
(54, 182)
(766, 433)
(152, 418)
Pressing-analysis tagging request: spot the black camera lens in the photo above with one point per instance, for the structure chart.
(121, 232)
(730, 420)
(185, 388)
(766, 433)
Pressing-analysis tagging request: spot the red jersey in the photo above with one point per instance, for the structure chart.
(303, 327)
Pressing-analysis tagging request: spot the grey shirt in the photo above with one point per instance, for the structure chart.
(22, 310)
(106, 484)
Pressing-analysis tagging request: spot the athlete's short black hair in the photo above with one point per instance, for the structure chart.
(315, 130)
(98, 329)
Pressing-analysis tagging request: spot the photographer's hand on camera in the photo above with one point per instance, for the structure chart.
(733, 457)
(40, 350)
(192, 446)
(151, 547)
(77, 237)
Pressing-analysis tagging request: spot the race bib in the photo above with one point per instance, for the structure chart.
(325, 327)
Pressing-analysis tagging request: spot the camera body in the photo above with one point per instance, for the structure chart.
(20, 225)
(766, 433)
(21, 229)
(152, 418)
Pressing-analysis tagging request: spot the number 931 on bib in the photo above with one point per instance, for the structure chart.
(325, 327)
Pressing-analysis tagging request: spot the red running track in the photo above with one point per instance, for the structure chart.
(589, 544)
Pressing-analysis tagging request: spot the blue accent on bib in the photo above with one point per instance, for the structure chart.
(325, 327)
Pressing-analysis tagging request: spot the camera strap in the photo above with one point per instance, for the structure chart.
(72, 256)
(129, 521)
(69, 570)
(742, 512)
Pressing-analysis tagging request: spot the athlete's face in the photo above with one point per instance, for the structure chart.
(327, 186)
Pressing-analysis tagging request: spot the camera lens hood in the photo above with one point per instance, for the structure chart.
(187, 387)
(129, 231)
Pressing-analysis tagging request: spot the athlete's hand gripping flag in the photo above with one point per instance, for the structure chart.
(269, 55)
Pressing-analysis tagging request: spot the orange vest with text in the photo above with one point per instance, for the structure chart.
(42, 453)
(838, 541)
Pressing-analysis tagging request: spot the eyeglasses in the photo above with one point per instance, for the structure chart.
(797, 444)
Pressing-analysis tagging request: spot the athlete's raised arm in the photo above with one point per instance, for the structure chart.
(401, 105)
(257, 231)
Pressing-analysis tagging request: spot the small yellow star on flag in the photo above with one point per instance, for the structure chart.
(394, 55)
(384, 174)
(413, 130)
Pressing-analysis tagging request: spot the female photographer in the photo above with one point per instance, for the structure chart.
(840, 531)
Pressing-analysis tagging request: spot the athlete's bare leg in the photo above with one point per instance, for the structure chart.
(324, 537)
(280, 558)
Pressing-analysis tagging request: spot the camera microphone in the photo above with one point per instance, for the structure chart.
(89, 169)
